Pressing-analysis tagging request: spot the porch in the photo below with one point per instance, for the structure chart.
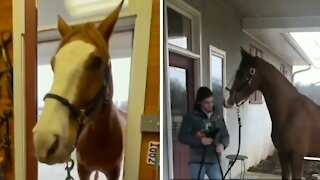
(202, 43)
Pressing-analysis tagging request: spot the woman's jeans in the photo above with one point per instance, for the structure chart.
(212, 171)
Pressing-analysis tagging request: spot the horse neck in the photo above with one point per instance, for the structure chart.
(102, 121)
(277, 90)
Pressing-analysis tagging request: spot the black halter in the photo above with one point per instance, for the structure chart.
(80, 113)
(244, 85)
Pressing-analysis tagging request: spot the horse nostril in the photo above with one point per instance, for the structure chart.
(53, 147)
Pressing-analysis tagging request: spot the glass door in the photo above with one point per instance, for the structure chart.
(181, 77)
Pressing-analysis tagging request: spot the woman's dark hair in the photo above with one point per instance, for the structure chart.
(202, 93)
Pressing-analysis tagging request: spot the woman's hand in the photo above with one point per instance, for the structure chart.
(206, 141)
(220, 148)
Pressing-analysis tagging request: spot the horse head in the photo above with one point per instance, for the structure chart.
(247, 80)
(82, 75)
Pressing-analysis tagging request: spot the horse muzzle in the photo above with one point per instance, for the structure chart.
(227, 105)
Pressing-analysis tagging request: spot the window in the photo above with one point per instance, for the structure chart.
(256, 97)
(283, 69)
(217, 65)
(179, 29)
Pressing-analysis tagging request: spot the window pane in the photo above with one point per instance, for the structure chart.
(217, 81)
(121, 82)
(178, 93)
(179, 30)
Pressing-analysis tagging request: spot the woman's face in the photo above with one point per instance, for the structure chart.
(207, 104)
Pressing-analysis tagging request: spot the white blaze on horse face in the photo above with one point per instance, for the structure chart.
(54, 120)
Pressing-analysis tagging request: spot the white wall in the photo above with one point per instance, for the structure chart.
(221, 27)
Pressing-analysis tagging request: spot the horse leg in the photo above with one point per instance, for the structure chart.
(285, 165)
(84, 173)
(296, 166)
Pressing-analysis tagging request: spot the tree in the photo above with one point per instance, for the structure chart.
(312, 92)
(178, 95)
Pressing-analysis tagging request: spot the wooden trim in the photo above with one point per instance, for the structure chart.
(124, 24)
(152, 94)
(184, 52)
(138, 85)
(31, 85)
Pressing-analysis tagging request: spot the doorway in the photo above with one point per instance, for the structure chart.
(181, 77)
(182, 74)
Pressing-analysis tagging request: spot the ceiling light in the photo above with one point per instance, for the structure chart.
(85, 8)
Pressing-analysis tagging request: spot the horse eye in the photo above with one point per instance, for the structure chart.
(96, 63)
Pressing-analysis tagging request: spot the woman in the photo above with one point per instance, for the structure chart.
(205, 132)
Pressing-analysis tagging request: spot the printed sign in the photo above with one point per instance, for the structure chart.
(152, 152)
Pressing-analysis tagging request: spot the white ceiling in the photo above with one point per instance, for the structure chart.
(275, 8)
(266, 21)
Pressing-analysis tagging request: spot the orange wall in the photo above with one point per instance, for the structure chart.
(152, 105)
(6, 24)
(153, 78)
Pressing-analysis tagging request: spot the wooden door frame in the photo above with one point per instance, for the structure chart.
(187, 63)
(30, 87)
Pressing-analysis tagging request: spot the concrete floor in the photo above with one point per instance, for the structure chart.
(252, 175)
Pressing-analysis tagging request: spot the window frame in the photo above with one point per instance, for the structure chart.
(214, 51)
(257, 96)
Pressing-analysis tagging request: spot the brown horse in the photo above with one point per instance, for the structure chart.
(79, 112)
(295, 118)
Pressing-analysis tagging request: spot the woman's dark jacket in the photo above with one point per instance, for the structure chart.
(198, 121)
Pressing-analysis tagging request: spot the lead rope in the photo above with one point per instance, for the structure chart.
(69, 169)
(235, 159)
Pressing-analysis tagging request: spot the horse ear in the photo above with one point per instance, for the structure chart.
(244, 53)
(63, 27)
(107, 25)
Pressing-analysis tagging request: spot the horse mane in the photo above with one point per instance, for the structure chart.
(275, 70)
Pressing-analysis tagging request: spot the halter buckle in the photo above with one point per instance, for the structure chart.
(82, 116)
